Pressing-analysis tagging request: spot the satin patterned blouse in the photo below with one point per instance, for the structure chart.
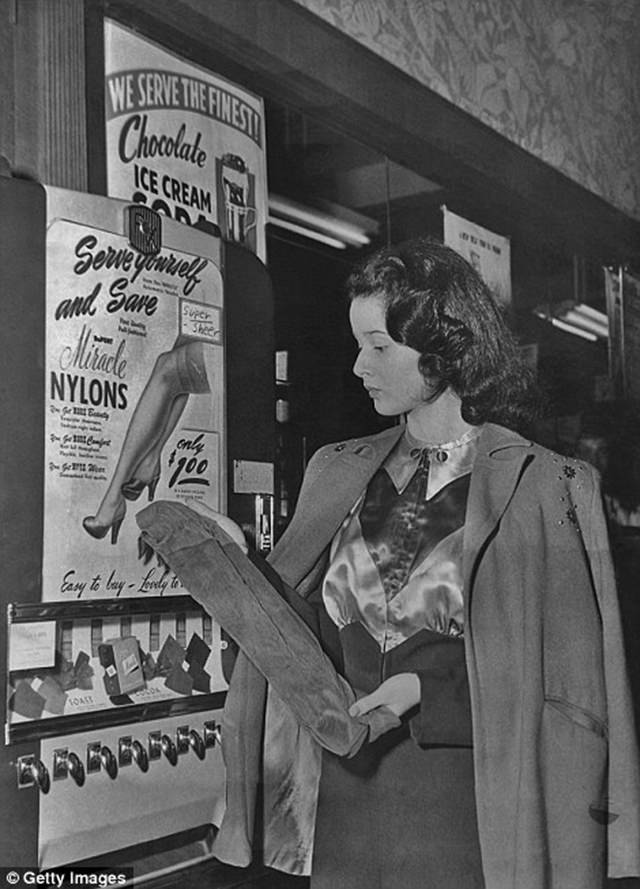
(396, 561)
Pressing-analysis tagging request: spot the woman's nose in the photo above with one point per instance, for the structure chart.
(359, 365)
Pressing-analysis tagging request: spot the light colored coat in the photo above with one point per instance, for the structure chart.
(556, 762)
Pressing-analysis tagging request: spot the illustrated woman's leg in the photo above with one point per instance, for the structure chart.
(176, 375)
(147, 472)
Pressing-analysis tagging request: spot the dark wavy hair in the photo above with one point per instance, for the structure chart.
(437, 304)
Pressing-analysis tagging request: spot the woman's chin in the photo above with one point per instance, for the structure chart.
(384, 408)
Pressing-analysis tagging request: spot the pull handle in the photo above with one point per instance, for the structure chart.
(41, 775)
(76, 769)
(197, 743)
(140, 756)
(169, 749)
(109, 762)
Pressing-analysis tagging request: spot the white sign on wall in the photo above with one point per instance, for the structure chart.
(488, 253)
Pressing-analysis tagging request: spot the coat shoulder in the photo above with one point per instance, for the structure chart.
(568, 489)
(359, 443)
(368, 446)
(550, 463)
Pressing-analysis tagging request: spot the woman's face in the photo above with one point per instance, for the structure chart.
(389, 370)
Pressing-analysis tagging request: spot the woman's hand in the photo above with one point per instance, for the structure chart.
(228, 525)
(399, 693)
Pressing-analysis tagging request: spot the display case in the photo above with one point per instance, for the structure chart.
(104, 662)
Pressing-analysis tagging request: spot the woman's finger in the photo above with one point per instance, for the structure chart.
(364, 705)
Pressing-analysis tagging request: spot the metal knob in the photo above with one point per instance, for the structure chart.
(41, 775)
(196, 742)
(109, 762)
(76, 769)
(169, 749)
(140, 756)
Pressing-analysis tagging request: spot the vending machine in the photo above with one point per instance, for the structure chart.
(137, 365)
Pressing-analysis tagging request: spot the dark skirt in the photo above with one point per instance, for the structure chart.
(397, 817)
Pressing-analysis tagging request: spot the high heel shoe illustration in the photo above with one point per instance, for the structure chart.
(93, 526)
(135, 486)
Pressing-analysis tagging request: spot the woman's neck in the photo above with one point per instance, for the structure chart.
(438, 422)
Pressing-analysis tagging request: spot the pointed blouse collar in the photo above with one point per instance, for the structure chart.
(447, 461)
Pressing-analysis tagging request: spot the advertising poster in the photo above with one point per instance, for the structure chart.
(183, 141)
(488, 253)
(134, 411)
(134, 382)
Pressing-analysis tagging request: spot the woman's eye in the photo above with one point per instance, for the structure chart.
(379, 348)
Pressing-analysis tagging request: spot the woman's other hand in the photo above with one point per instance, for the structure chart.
(228, 525)
(399, 693)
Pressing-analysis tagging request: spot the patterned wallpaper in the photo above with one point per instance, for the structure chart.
(561, 78)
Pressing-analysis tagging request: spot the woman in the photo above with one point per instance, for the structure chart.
(458, 575)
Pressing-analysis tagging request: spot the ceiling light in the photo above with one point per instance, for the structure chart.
(590, 312)
(571, 328)
(576, 318)
(283, 209)
(306, 232)
(573, 316)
